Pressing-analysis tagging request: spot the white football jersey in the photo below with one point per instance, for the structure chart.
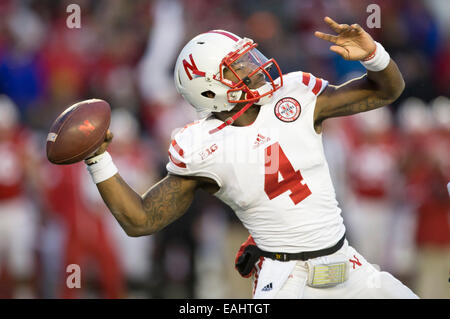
(272, 173)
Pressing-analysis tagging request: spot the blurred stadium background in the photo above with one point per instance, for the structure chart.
(390, 166)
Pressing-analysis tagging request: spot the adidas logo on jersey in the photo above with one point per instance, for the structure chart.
(260, 140)
(267, 287)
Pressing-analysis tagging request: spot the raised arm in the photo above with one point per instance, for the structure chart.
(368, 92)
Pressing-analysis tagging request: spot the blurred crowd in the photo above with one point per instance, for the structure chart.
(390, 167)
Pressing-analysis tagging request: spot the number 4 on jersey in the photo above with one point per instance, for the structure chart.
(277, 163)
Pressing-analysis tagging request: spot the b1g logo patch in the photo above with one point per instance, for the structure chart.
(287, 109)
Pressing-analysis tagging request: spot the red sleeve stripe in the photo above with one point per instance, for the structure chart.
(177, 148)
(176, 162)
(306, 78)
(318, 86)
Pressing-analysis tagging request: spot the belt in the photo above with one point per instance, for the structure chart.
(304, 255)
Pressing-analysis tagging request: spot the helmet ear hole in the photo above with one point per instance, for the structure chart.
(208, 94)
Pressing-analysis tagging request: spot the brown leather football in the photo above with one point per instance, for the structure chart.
(78, 131)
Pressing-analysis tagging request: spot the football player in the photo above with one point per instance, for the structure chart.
(259, 150)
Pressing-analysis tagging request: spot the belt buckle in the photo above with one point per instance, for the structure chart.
(280, 256)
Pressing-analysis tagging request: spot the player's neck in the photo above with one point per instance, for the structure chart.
(245, 119)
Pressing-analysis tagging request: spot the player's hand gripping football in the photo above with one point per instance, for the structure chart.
(351, 41)
(108, 138)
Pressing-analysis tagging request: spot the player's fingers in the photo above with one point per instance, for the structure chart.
(338, 28)
(102, 147)
(357, 27)
(327, 37)
(345, 27)
(109, 136)
(339, 50)
(333, 24)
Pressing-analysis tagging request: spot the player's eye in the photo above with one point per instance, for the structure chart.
(237, 66)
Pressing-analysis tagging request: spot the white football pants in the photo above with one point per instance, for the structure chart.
(364, 282)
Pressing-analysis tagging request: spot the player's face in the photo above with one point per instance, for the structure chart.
(243, 69)
(246, 70)
(250, 63)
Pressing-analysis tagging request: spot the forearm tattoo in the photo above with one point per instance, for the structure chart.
(360, 95)
(367, 104)
(165, 202)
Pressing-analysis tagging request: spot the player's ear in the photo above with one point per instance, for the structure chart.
(209, 94)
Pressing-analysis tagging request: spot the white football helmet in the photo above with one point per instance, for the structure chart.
(199, 72)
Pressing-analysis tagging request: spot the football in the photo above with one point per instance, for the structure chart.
(78, 131)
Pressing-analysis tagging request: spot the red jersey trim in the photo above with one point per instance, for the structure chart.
(177, 148)
(306, 78)
(176, 162)
(317, 86)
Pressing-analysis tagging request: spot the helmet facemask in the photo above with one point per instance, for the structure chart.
(248, 71)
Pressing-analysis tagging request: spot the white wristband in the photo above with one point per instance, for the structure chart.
(378, 60)
(101, 167)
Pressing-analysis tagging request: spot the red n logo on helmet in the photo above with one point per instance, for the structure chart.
(192, 67)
